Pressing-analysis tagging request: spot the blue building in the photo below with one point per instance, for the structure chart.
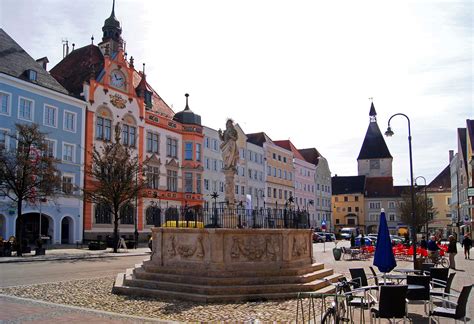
(29, 94)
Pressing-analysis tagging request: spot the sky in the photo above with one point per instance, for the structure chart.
(298, 70)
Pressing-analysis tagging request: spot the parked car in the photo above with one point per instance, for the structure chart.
(372, 236)
(367, 241)
(346, 232)
(318, 238)
(330, 237)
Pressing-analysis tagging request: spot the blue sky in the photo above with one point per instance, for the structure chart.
(302, 70)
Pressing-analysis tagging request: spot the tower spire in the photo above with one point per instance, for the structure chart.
(187, 106)
(373, 113)
(113, 9)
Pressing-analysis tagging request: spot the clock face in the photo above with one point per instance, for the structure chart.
(117, 79)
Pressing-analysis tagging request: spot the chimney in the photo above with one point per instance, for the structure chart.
(43, 61)
(451, 155)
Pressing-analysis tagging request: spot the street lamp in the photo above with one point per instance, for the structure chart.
(426, 204)
(389, 133)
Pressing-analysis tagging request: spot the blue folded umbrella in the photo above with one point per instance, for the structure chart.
(384, 258)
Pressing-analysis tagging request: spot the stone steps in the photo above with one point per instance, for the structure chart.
(197, 271)
(140, 273)
(120, 288)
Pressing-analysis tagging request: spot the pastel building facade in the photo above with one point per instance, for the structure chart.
(28, 94)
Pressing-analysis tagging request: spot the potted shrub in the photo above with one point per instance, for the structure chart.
(40, 250)
(337, 252)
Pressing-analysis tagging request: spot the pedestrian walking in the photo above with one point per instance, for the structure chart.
(467, 244)
(452, 250)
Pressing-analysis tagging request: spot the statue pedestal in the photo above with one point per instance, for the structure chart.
(230, 187)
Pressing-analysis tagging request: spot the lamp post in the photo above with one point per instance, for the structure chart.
(389, 133)
(426, 204)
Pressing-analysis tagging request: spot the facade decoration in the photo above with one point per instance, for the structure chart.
(117, 101)
(255, 248)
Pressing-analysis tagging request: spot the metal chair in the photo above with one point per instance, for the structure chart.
(419, 294)
(459, 310)
(392, 303)
(358, 275)
(362, 302)
(439, 274)
(376, 279)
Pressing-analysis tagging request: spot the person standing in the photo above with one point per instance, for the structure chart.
(452, 250)
(467, 244)
(433, 249)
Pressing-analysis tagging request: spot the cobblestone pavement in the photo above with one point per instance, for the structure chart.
(96, 294)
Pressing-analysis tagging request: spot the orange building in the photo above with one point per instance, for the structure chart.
(169, 143)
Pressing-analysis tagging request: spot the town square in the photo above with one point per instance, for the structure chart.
(236, 162)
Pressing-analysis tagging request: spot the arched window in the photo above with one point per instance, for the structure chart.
(103, 126)
(103, 214)
(153, 216)
(129, 131)
(127, 214)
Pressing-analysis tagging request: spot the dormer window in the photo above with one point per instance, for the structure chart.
(32, 75)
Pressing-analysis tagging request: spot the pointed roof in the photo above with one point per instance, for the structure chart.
(372, 112)
(287, 145)
(187, 116)
(311, 155)
(442, 182)
(374, 146)
(347, 185)
(15, 61)
(462, 137)
(470, 132)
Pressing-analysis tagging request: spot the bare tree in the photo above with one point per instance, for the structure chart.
(116, 175)
(27, 171)
(424, 210)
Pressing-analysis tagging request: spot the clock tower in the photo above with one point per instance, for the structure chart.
(112, 34)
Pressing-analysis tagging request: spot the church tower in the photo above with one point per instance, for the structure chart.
(112, 34)
(374, 158)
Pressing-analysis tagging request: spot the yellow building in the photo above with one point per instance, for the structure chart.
(439, 195)
(348, 202)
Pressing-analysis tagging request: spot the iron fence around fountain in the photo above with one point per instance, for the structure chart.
(192, 217)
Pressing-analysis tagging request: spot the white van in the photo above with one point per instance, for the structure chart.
(346, 232)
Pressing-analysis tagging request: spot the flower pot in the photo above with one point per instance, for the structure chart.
(337, 252)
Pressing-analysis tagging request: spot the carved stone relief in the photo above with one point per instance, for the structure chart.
(255, 248)
(185, 250)
(300, 247)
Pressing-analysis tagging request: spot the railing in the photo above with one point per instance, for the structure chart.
(233, 218)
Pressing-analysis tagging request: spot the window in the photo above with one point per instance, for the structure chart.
(242, 190)
(188, 182)
(5, 103)
(32, 75)
(357, 209)
(208, 164)
(206, 142)
(269, 170)
(103, 214)
(279, 157)
(50, 117)
(274, 156)
(206, 184)
(128, 135)
(198, 183)
(25, 110)
(103, 129)
(214, 165)
(172, 147)
(68, 152)
(346, 198)
(274, 172)
(274, 193)
(127, 214)
(349, 209)
(448, 215)
(152, 142)
(286, 194)
(221, 186)
(280, 194)
(291, 176)
(337, 220)
(67, 184)
(391, 204)
(153, 177)
(374, 205)
(279, 173)
(269, 193)
(448, 200)
(153, 216)
(391, 217)
(172, 180)
(214, 144)
(284, 159)
(69, 121)
(3, 139)
(188, 151)
(50, 149)
(236, 189)
(198, 152)
(356, 198)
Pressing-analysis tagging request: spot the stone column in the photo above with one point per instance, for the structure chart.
(230, 187)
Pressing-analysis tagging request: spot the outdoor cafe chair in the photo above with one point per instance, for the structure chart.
(439, 276)
(355, 301)
(445, 293)
(358, 275)
(419, 294)
(392, 303)
(376, 278)
(458, 312)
